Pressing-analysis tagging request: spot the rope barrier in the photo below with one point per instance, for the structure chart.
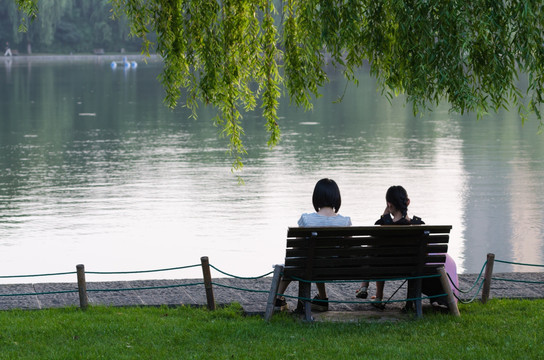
(479, 282)
(463, 301)
(483, 281)
(473, 285)
(239, 277)
(145, 287)
(42, 293)
(100, 272)
(238, 288)
(520, 281)
(517, 263)
(139, 271)
(104, 290)
(517, 280)
(136, 288)
(36, 275)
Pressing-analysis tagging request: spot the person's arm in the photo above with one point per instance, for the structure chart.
(384, 220)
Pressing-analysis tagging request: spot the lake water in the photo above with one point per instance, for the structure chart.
(94, 169)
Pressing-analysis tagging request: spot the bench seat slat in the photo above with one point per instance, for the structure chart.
(302, 242)
(382, 231)
(348, 253)
(321, 274)
(359, 252)
(358, 262)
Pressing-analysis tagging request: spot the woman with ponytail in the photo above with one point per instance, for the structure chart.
(396, 213)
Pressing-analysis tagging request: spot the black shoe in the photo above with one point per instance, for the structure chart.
(319, 304)
(378, 304)
(362, 293)
(280, 304)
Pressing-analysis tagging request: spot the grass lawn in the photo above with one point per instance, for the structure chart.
(500, 329)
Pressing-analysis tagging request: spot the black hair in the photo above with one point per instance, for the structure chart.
(326, 193)
(398, 196)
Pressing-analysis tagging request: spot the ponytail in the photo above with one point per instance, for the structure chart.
(398, 196)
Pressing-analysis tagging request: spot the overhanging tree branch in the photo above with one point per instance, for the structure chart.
(468, 53)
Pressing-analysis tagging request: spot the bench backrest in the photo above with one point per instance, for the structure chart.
(365, 252)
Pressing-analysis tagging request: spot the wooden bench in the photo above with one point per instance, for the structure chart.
(364, 253)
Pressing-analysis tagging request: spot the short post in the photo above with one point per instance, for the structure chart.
(274, 286)
(487, 277)
(82, 287)
(207, 282)
(445, 281)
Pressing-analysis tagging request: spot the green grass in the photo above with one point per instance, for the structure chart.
(501, 329)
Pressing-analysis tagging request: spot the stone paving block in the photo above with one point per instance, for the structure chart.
(59, 297)
(165, 292)
(18, 302)
(112, 294)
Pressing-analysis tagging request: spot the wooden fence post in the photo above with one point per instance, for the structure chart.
(82, 287)
(487, 277)
(207, 282)
(452, 304)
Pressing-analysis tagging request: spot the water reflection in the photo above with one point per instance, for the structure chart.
(137, 186)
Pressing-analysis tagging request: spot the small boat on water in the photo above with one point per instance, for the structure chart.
(125, 64)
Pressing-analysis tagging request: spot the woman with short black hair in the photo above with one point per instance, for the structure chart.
(326, 200)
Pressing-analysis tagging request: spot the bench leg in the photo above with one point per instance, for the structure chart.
(304, 291)
(452, 304)
(278, 269)
(419, 307)
(414, 292)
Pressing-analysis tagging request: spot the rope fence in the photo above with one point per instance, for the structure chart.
(481, 284)
(141, 271)
(485, 284)
(240, 277)
(36, 275)
(476, 282)
(41, 293)
(518, 280)
(82, 283)
(146, 287)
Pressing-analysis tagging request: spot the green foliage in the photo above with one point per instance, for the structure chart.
(224, 54)
(234, 53)
(28, 7)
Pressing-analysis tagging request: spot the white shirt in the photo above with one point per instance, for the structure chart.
(315, 219)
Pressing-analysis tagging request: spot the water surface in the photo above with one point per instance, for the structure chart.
(94, 169)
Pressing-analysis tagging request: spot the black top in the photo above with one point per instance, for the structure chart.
(388, 220)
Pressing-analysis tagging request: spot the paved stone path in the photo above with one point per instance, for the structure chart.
(227, 290)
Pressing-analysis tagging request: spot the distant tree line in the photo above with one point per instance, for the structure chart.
(67, 26)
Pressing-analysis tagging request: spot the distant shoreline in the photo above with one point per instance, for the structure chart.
(82, 57)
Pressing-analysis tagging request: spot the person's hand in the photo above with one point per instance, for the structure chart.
(386, 211)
